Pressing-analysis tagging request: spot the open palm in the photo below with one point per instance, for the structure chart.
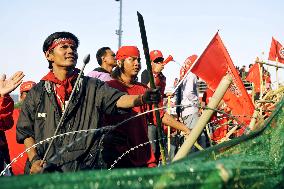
(8, 85)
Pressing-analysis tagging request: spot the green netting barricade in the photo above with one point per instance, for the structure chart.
(252, 161)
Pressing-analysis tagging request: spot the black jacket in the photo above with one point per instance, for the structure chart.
(40, 116)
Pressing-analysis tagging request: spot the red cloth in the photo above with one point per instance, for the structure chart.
(207, 95)
(6, 111)
(254, 76)
(276, 52)
(15, 148)
(160, 81)
(135, 130)
(26, 86)
(127, 51)
(63, 88)
(212, 66)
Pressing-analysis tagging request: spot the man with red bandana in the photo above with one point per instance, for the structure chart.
(46, 102)
(6, 111)
(133, 132)
(16, 149)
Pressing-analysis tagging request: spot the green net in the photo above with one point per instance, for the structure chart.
(252, 161)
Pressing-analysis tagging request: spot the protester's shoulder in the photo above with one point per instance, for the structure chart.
(93, 74)
(113, 83)
(145, 71)
(92, 80)
(38, 88)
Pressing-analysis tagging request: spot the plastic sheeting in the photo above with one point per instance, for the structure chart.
(252, 161)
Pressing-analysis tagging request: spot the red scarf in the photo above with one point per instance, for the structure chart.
(63, 88)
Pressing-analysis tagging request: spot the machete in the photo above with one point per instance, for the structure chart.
(152, 84)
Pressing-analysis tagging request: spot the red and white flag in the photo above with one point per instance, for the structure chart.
(276, 52)
(212, 66)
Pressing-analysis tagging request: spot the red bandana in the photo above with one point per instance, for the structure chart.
(60, 41)
(63, 88)
(127, 51)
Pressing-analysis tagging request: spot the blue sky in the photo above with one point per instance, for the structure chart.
(180, 28)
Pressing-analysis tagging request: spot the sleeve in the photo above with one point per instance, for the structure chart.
(25, 124)
(190, 89)
(107, 97)
(6, 112)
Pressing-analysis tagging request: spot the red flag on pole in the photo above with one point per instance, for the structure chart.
(212, 66)
(276, 52)
(254, 77)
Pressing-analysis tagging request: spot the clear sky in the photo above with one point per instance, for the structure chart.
(180, 28)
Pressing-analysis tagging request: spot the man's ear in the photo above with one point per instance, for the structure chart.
(49, 56)
(119, 63)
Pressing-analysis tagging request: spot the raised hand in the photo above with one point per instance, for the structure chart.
(8, 85)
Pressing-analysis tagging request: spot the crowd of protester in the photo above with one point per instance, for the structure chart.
(102, 100)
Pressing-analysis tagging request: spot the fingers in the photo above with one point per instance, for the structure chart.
(16, 74)
(17, 78)
(36, 167)
(2, 77)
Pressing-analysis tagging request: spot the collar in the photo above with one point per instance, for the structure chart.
(100, 69)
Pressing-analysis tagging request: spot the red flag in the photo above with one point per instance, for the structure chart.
(276, 52)
(212, 66)
(254, 76)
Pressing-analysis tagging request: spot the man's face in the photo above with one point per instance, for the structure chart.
(109, 58)
(23, 95)
(63, 55)
(132, 66)
(157, 65)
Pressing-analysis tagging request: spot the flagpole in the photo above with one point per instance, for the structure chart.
(169, 129)
(253, 93)
(261, 82)
(277, 79)
(266, 63)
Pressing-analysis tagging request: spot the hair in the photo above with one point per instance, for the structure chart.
(118, 70)
(101, 52)
(49, 40)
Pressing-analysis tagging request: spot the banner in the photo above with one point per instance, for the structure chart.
(212, 66)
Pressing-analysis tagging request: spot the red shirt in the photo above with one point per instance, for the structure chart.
(6, 110)
(135, 130)
(160, 81)
(15, 148)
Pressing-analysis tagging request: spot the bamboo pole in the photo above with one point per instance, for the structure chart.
(204, 118)
(230, 132)
(253, 119)
(266, 63)
(261, 82)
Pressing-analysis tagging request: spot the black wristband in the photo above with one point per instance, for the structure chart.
(35, 158)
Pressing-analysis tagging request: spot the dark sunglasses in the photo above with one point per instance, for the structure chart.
(158, 60)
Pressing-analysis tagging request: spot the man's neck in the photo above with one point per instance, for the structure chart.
(128, 80)
(108, 68)
(61, 73)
